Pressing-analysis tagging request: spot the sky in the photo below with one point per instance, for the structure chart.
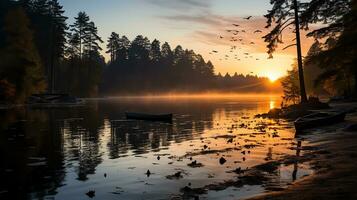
(197, 25)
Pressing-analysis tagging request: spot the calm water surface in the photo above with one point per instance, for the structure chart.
(64, 153)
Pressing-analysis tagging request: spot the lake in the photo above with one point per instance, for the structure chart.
(64, 153)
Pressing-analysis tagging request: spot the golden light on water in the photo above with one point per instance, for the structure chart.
(272, 104)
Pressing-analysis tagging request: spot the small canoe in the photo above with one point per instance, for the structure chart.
(149, 117)
(318, 119)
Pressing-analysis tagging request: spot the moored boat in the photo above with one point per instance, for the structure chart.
(150, 117)
(319, 119)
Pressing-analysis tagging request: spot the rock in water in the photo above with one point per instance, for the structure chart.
(90, 193)
(148, 173)
(222, 160)
(177, 174)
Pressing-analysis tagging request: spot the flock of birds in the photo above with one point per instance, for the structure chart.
(234, 38)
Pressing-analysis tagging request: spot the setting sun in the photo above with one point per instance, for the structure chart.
(273, 78)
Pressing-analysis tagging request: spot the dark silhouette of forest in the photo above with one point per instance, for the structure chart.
(149, 67)
(41, 53)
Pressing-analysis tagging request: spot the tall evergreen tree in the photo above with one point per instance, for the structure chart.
(91, 41)
(79, 29)
(167, 55)
(155, 51)
(139, 49)
(121, 53)
(112, 46)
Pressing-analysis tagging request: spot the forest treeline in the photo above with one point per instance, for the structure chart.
(41, 53)
(149, 67)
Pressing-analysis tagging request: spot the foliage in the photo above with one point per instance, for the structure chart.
(338, 20)
(7, 91)
(21, 64)
(290, 84)
(338, 57)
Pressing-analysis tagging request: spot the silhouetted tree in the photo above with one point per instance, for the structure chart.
(79, 30)
(338, 56)
(139, 49)
(290, 84)
(112, 46)
(283, 14)
(122, 52)
(84, 63)
(155, 51)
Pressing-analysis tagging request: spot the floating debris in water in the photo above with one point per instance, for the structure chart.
(176, 175)
(148, 173)
(195, 164)
(222, 160)
(91, 193)
(238, 170)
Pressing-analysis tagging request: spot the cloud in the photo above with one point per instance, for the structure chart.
(211, 26)
(182, 4)
(198, 18)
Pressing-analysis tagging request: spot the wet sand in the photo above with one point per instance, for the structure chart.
(335, 162)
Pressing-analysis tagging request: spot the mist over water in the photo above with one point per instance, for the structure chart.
(64, 153)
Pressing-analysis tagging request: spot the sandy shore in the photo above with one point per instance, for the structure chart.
(335, 164)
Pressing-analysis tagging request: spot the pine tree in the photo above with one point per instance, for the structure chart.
(79, 30)
(122, 53)
(139, 49)
(91, 41)
(59, 27)
(155, 51)
(112, 46)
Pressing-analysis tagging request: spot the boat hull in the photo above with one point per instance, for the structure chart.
(304, 123)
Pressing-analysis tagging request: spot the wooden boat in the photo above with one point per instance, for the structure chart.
(319, 119)
(149, 117)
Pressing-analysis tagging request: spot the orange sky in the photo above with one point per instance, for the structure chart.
(197, 25)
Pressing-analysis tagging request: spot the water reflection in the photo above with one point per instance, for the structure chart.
(64, 153)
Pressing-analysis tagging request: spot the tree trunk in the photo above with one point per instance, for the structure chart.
(303, 96)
